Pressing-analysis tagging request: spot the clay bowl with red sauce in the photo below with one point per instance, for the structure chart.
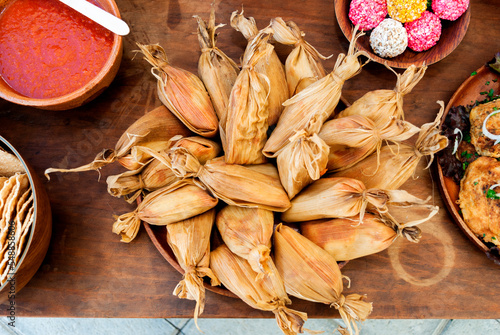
(452, 34)
(90, 87)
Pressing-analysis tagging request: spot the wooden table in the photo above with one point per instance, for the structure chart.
(88, 272)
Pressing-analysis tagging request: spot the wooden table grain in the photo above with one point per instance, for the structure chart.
(88, 272)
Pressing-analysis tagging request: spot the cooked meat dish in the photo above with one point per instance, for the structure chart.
(484, 145)
(479, 203)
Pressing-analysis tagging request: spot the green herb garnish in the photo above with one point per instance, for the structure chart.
(475, 183)
(483, 93)
(467, 137)
(487, 83)
(490, 93)
(491, 194)
(473, 73)
(465, 165)
(495, 80)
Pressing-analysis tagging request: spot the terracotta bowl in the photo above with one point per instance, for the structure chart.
(38, 239)
(469, 91)
(83, 95)
(452, 34)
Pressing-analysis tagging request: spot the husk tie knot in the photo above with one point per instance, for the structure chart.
(299, 43)
(339, 303)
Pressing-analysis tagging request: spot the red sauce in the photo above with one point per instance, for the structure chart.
(48, 50)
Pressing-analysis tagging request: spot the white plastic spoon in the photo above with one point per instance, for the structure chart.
(100, 16)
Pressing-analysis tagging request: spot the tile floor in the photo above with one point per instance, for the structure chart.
(62, 326)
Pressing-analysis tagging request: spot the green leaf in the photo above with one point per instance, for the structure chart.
(491, 194)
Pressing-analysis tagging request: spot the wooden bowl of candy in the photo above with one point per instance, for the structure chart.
(402, 33)
(27, 215)
(58, 60)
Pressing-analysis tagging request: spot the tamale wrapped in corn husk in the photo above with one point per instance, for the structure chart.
(138, 159)
(182, 92)
(301, 162)
(343, 197)
(179, 201)
(312, 274)
(344, 239)
(217, 71)
(398, 162)
(247, 233)
(303, 65)
(353, 138)
(153, 130)
(267, 294)
(270, 66)
(155, 174)
(190, 243)
(236, 185)
(130, 184)
(247, 114)
(310, 108)
(381, 105)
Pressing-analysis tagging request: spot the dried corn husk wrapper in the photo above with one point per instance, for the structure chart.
(190, 243)
(9, 164)
(130, 184)
(343, 197)
(236, 185)
(155, 174)
(153, 130)
(301, 162)
(271, 67)
(267, 294)
(312, 274)
(179, 201)
(217, 71)
(381, 105)
(303, 65)
(247, 233)
(137, 159)
(345, 239)
(353, 138)
(310, 108)
(247, 114)
(182, 92)
(398, 162)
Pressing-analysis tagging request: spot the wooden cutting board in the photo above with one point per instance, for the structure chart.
(88, 272)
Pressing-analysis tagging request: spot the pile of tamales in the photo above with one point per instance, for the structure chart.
(217, 170)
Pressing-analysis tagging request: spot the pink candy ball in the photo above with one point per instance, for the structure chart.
(367, 13)
(449, 9)
(424, 32)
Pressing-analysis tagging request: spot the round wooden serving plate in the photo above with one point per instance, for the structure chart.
(466, 94)
(452, 34)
